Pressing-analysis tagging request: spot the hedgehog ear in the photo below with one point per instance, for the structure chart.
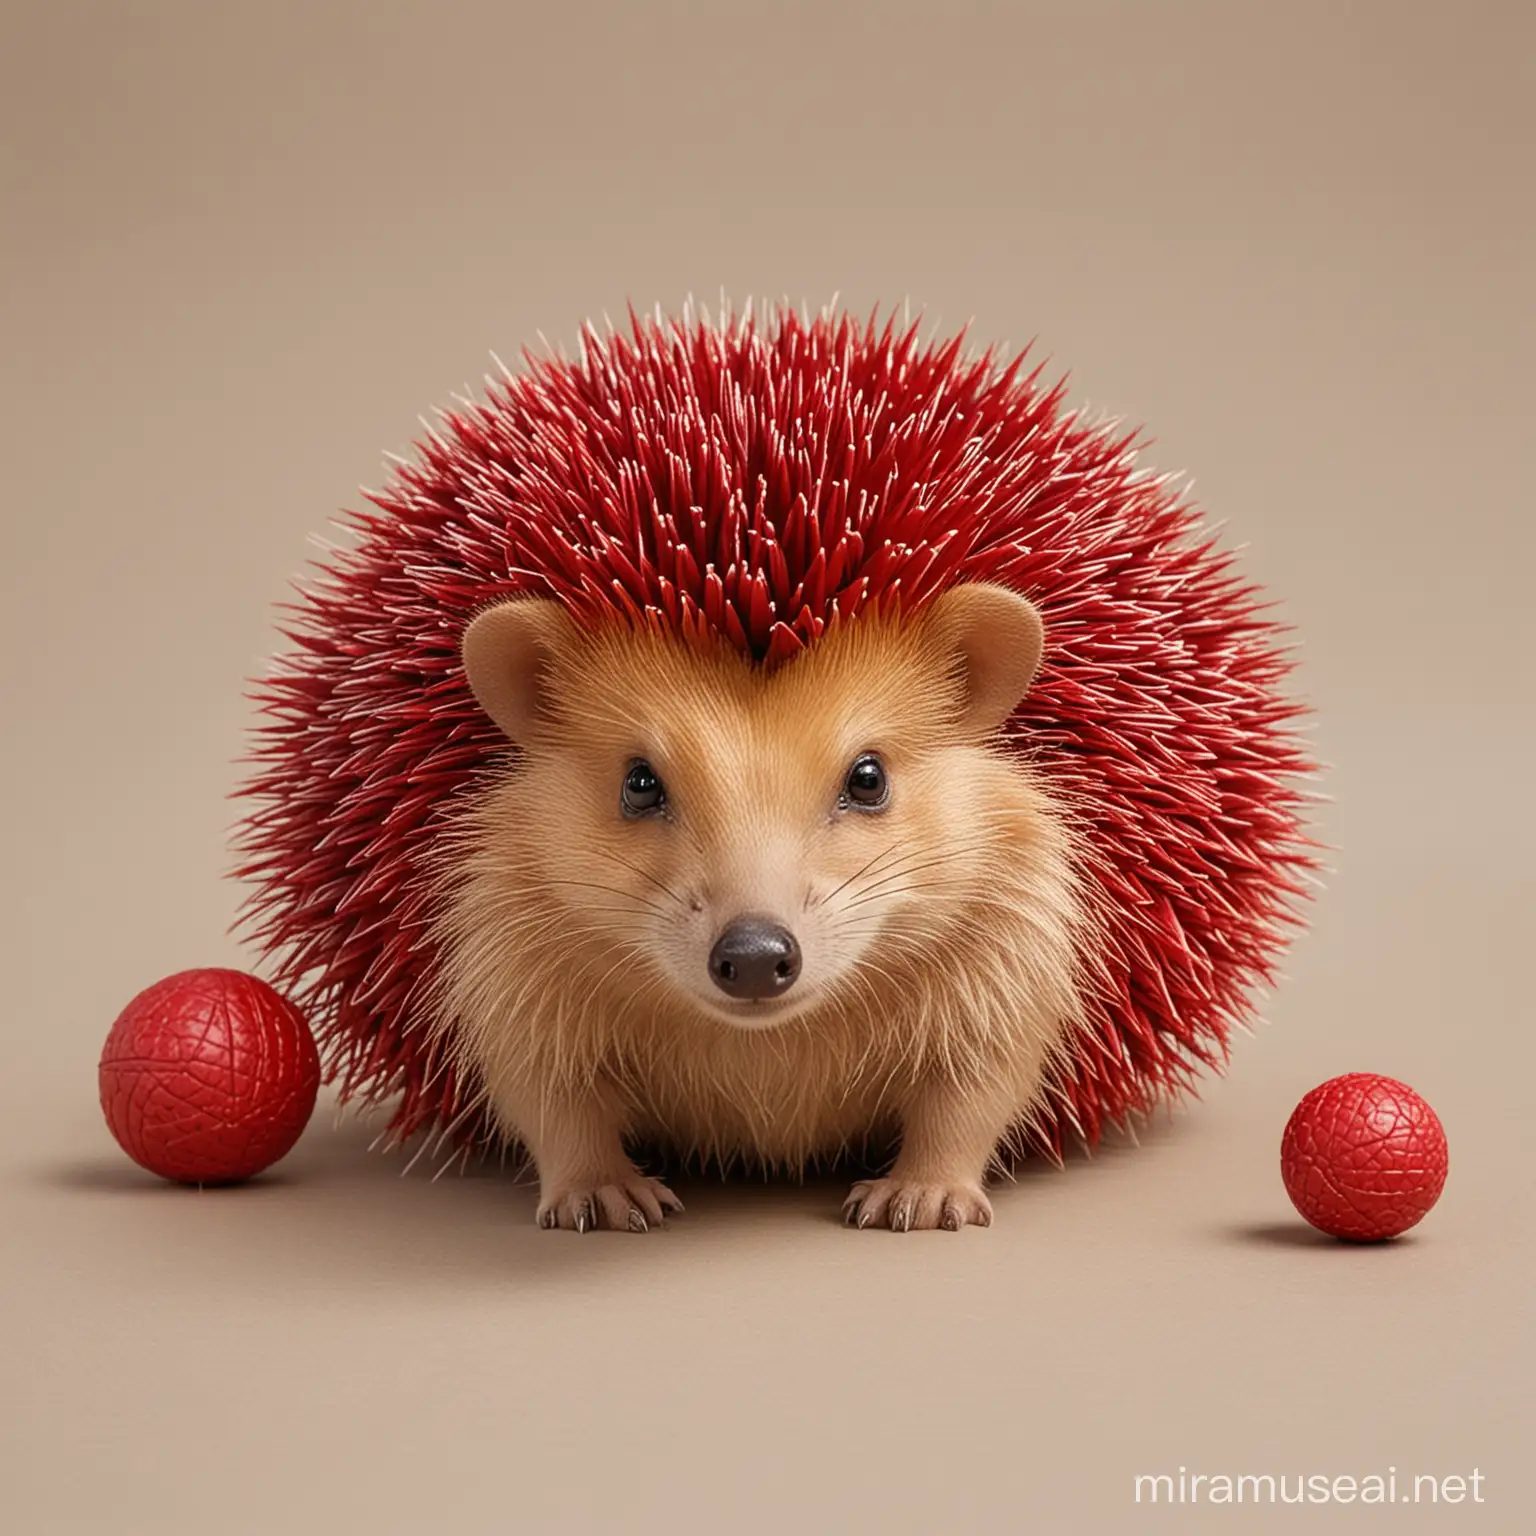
(508, 651)
(996, 638)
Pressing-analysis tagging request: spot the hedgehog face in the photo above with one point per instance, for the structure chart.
(754, 844)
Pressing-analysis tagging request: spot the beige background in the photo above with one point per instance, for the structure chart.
(245, 244)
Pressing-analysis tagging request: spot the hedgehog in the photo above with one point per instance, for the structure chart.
(774, 741)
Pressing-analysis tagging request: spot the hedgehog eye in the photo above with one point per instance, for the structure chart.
(643, 793)
(867, 786)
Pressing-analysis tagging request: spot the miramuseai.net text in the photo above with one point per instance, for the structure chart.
(1386, 1487)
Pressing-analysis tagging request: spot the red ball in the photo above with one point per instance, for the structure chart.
(1363, 1157)
(208, 1077)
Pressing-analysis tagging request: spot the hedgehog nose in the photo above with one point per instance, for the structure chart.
(755, 958)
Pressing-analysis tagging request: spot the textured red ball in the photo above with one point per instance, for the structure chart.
(1363, 1157)
(209, 1076)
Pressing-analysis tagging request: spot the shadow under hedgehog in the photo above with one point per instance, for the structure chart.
(760, 739)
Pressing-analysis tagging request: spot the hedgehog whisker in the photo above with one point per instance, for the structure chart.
(873, 889)
(904, 890)
(950, 850)
(856, 874)
(660, 885)
(612, 890)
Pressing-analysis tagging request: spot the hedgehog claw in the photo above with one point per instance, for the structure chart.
(627, 1202)
(915, 1207)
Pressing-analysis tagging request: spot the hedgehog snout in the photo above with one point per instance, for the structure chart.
(755, 958)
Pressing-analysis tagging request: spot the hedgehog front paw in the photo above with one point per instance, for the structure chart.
(905, 1205)
(630, 1202)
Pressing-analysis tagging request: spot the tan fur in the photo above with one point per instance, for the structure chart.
(940, 936)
